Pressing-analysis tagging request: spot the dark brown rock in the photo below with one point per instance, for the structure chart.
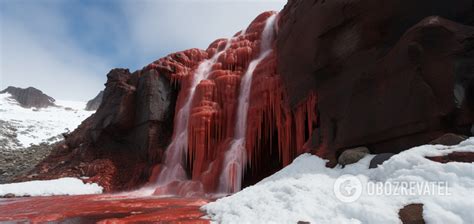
(9, 195)
(384, 73)
(156, 100)
(29, 97)
(95, 103)
(412, 214)
(379, 159)
(448, 139)
(350, 156)
(460, 157)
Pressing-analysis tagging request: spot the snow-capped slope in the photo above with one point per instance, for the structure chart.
(62, 186)
(304, 191)
(21, 127)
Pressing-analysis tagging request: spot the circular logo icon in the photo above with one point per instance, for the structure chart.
(347, 188)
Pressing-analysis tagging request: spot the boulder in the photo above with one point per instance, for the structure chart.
(379, 159)
(9, 195)
(29, 97)
(412, 214)
(350, 156)
(448, 139)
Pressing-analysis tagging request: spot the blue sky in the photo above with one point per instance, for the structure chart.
(66, 47)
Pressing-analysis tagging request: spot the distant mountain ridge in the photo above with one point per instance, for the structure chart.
(30, 97)
(95, 103)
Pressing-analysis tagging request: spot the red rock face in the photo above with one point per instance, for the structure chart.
(274, 134)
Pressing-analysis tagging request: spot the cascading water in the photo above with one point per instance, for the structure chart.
(235, 158)
(173, 169)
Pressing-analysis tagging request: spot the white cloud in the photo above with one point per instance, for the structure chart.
(38, 47)
(37, 50)
(169, 26)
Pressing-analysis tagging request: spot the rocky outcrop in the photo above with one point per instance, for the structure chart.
(388, 75)
(119, 145)
(95, 103)
(122, 142)
(29, 97)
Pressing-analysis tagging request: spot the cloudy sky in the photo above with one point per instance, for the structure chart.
(66, 47)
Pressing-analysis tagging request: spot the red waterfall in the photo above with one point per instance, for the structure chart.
(274, 135)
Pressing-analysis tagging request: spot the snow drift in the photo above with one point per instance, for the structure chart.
(62, 186)
(303, 191)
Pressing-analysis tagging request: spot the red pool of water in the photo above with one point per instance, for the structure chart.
(102, 209)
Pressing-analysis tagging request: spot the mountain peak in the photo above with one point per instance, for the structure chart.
(29, 97)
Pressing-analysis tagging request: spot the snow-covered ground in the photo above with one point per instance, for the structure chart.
(304, 191)
(62, 186)
(34, 126)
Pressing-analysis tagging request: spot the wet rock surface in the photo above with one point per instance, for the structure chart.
(29, 97)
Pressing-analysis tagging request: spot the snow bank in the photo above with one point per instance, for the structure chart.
(34, 126)
(304, 191)
(62, 186)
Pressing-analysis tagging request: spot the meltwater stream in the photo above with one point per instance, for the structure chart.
(235, 158)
